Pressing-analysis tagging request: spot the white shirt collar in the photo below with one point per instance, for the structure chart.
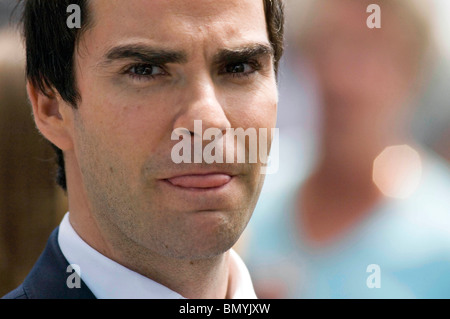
(110, 280)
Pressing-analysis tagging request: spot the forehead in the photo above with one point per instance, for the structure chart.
(175, 23)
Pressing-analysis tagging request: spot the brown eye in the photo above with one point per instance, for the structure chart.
(238, 68)
(143, 71)
(241, 69)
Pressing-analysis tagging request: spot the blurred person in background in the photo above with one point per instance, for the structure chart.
(30, 202)
(372, 219)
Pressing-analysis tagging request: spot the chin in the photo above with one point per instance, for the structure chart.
(210, 238)
(194, 250)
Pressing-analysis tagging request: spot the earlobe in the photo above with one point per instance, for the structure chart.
(51, 117)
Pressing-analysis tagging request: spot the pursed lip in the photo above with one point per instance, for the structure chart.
(200, 180)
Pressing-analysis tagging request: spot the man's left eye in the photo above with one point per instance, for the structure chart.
(240, 69)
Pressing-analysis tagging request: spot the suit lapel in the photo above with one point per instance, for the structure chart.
(48, 278)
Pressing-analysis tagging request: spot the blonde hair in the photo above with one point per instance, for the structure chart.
(302, 14)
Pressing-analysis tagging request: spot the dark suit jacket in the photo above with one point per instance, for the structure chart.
(48, 278)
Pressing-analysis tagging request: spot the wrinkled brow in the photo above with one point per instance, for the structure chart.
(147, 54)
(144, 54)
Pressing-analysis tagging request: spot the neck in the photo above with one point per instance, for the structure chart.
(194, 279)
(334, 199)
(347, 154)
(354, 141)
(340, 191)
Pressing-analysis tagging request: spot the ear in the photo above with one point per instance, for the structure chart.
(53, 117)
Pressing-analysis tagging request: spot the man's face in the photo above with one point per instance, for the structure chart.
(146, 68)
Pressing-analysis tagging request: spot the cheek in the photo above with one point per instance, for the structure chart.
(125, 121)
(254, 109)
(115, 139)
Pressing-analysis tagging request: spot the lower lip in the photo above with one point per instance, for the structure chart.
(200, 182)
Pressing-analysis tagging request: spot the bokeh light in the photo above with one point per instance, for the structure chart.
(397, 171)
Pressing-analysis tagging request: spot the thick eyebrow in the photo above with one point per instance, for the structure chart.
(144, 54)
(242, 54)
(149, 55)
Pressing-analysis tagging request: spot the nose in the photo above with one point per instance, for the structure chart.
(201, 103)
